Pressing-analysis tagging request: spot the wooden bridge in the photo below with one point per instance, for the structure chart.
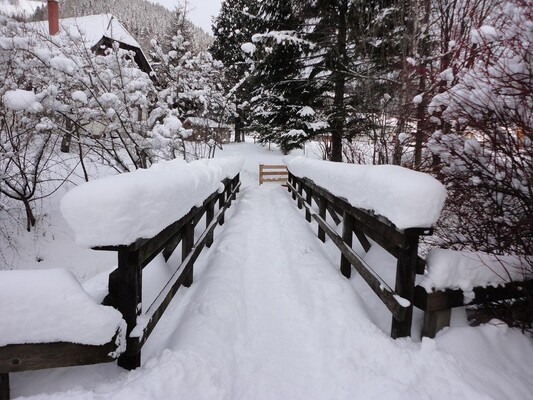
(318, 205)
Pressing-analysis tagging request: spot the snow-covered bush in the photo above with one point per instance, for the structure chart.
(485, 140)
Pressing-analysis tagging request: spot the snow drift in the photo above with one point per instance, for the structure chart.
(407, 198)
(120, 209)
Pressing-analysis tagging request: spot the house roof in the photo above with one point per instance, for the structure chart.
(92, 27)
(99, 29)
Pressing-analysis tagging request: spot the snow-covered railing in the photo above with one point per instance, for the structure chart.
(392, 206)
(146, 212)
(49, 321)
(459, 278)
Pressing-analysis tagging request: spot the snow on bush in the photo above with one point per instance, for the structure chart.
(450, 269)
(123, 208)
(407, 198)
(42, 306)
(19, 99)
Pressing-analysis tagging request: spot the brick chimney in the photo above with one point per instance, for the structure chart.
(53, 16)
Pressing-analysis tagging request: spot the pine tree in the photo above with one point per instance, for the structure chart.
(233, 27)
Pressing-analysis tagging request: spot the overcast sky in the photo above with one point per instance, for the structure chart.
(200, 12)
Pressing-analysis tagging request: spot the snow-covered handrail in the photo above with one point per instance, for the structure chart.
(407, 198)
(143, 214)
(120, 209)
(400, 243)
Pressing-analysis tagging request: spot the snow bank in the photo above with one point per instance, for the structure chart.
(407, 198)
(123, 208)
(41, 306)
(450, 269)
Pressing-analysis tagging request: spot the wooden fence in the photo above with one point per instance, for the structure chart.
(278, 172)
(125, 293)
(403, 245)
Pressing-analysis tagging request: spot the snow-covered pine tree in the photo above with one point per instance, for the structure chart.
(281, 109)
(234, 26)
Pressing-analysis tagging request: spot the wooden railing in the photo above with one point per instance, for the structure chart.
(125, 293)
(125, 283)
(402, 244)
(278, 172)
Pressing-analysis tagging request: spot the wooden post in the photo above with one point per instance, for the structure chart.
(236, 182)
(125, 290)
(322, 207)
(4, 386)
(347, 236)
(309, 199)
(300, 191)
(221, 201)
(405, 283)
(209, 215)
(295, 182)
(187, 244)
(434, 321)
(260, 174)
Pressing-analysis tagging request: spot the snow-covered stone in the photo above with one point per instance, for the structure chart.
(407, 198)
(123, 208)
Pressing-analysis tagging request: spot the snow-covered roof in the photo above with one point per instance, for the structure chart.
(93, 27)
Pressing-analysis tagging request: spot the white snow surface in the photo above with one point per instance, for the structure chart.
(42, 306)
(407, 198)
(269, 316)
(451, 269)
(123, 208)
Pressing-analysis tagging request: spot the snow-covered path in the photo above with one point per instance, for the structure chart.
(270, 317)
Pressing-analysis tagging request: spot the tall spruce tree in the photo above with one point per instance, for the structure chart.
(234, 26)
(281, 108)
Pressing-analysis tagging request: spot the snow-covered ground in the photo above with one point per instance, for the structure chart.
(269, 316)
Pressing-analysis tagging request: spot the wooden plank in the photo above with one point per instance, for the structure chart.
(273, 173)
(26, 357)
(362, 238)
(378, 285)
(450, 298)
(4, 387)
(273, 166)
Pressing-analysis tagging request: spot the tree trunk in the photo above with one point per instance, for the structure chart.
(30, 218)
(339, 77)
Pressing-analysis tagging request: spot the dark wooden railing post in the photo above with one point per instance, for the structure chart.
(125, 292)
(4, 386)
(322, 207)
(221, 202)
(309, 200)
(186, 247)
(347, 237)
(209, 215)
(300, 191)
(405, 283)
